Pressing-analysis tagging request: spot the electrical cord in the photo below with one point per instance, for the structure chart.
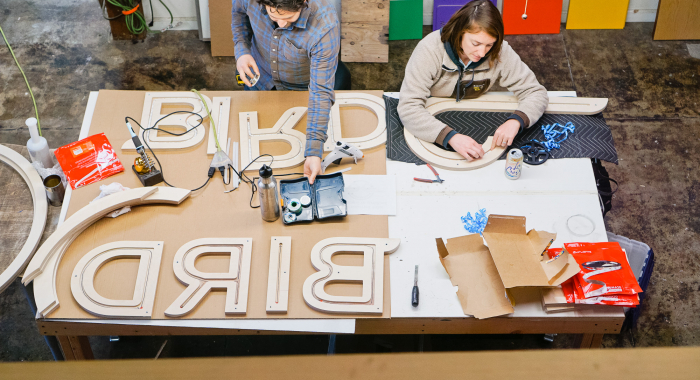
(135, 21)
(211, 171)
(36, 110)
(244, 178)
(241, 175)
(211, 120)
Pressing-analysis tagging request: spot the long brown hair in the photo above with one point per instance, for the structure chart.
(473, 17)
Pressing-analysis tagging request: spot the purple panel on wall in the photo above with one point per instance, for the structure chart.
(444, 9)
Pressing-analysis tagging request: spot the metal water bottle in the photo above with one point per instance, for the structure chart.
(269, 200)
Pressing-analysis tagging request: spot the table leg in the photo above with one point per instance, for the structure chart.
(75, 347)
(590, 340)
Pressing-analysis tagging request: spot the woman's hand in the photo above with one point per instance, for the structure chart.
(243, 65)
(467, 147)
(505, 133)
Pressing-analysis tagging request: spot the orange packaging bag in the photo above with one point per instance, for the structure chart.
(604, 269)
(88, 160)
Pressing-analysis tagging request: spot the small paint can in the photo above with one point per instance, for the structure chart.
(54, 190)
(514, 164)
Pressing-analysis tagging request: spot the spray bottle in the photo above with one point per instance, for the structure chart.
(38, 147)
(269, 199)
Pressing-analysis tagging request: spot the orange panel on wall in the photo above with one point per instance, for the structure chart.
(543, 16)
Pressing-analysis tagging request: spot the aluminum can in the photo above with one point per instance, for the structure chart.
(514, 164)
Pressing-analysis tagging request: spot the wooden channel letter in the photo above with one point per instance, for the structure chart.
(370, 275)
(428, 152)
(235, 280)
(82, 283)
(153, 111)
(372, 103)
(278, 275)
(283, 131)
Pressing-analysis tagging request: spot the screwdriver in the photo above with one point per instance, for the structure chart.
(414, 294)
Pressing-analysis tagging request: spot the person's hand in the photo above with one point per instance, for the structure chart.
(243, 65)
(505, 134)
(312, 168)
(466, 146)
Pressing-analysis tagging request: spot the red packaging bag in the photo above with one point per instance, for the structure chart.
(568, 288)
(613, 299)
(88, 160)
(604, 269)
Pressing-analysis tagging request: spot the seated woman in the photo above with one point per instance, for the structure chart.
(464, 60)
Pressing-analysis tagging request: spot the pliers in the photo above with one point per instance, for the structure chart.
(438, 180)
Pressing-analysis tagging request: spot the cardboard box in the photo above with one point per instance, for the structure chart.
(513, 258)
(470, 266)
(518, 254)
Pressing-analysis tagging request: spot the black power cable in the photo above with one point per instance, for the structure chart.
(241, 175)
(211, 171)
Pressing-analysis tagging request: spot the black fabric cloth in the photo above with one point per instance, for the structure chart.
(592, 137)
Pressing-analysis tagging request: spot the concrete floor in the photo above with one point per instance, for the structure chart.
(653, 87)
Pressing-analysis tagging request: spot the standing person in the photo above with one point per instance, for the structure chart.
(464, 60)
(291, 45)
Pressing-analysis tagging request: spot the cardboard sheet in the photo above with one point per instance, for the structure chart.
(471, 268)
(220, 28)
(211, 213)
(518, 254)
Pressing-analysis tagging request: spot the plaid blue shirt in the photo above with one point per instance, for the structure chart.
(301, 56)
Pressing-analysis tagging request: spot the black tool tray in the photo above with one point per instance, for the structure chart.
(326, 196)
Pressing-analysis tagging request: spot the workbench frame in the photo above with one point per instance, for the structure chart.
(72, 334)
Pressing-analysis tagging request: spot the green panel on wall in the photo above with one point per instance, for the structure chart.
(405, 20)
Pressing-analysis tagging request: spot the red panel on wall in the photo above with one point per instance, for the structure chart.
(543, 16)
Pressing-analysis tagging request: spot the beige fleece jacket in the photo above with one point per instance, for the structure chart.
(431, 72)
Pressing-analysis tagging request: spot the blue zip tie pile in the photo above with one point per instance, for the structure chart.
(551, 135)
(477, 223)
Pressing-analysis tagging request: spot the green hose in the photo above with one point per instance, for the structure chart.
(36, 110)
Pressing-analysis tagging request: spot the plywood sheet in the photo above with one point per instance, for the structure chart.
(211, 213)
(677, 20)
(597, 14)
(364, 31)
(406, 20)
(543, 17)
(220, 27)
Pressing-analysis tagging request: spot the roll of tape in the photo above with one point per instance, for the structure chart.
(294, 206)
(289, 217)
(305, 201)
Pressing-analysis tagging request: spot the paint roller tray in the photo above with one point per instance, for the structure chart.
(326, 197)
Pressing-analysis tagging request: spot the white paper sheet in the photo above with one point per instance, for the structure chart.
(370, 194)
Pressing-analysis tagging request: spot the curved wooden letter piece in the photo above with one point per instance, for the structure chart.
(428, 152)
(371, 275)
(141, 304)
(370, 102)
(44, 265)
(235, 281)
(152, 112)
(283, 131)
(36, 188)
